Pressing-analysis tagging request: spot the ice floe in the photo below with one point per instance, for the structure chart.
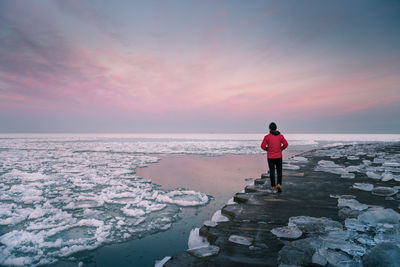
(241, 240)
(363, 186)
(161, 262)
(384, 191)
(205, 251)
(290, 167)
(218, 217)
(352, 204)
(195, 240)
(314, 225)
(54, 203)
(384, 254)
(289, 232)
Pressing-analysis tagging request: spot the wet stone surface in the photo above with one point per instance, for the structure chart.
(336, 212)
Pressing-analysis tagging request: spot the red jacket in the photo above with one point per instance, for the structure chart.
(274, 144)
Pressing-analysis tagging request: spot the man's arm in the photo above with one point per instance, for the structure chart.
(264, 144)
(284, 143)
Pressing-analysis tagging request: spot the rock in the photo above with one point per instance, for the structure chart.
(241, 240)
(384, 191)
(289, 232)
(384, 254)
(205, 251)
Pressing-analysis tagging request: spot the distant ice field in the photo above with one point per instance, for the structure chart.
(64, 193)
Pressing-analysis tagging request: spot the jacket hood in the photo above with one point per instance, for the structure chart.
(275, 132)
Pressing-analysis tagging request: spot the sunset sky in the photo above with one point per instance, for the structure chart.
(200, 66)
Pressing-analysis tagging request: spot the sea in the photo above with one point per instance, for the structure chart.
(76, 200)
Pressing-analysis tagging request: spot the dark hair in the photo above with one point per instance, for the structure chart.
(272, 126)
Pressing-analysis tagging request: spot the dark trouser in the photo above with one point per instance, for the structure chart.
(272, 164)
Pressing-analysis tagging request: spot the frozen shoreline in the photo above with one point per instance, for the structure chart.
(345, 220)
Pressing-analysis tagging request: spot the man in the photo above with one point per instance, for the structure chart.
(274, 143)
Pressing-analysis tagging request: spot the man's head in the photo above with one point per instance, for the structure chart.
(272, 126)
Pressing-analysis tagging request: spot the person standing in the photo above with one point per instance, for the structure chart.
(274, 143)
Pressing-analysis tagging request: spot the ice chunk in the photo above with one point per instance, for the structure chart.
(290, 167)
(203, 252)
(355, 224)
(388, 234)
(336, 258)
(384, 191)
(353, 157)
(183, 198)
(363, 186)
(366, 240)
(195, 240)
(353, 249)
(299, 252)
(210, 223)
(241, 240)
(391, 164)
(366, 162)
(300, 159)
(319, 257)
(379, 160)
(373, 175)
(218, 217)
(289, 232)
(161, 263)
(387, 176)
(328, 164)
(384, 254)
(373, 217)
(314, 225)
(348, 175)
(352, 204)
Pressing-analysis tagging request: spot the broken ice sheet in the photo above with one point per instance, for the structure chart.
(314, 225)
(352, 204)
(218, 217)
(363, 186)
(290, 167)
(384, 254)
(195, 240)
(373, 175)
(289, 232)
(241, 240)
(379, 216)
(384, 191)
(205, 251)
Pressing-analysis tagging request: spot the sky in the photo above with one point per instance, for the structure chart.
(199, 66)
